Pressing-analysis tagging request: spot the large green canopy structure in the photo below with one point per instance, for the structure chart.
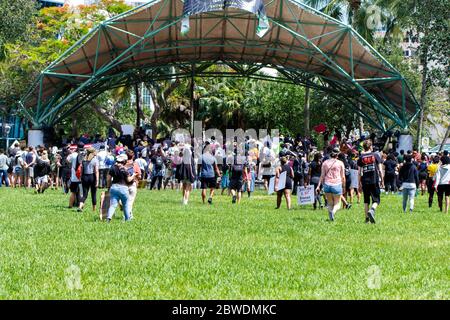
(305, 46)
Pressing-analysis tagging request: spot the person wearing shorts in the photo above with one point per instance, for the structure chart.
(442, 184)
(333, 180)
(208, 169)
(369, 164)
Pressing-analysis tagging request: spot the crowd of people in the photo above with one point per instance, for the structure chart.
(124, 164)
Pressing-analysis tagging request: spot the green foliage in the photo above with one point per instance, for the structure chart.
(248, 251)
(16, 20)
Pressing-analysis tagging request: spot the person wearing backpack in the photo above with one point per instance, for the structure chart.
(89, 178)
(369, 164)
(238, 169)
(158, 171)
(299, 167)
(75, 160)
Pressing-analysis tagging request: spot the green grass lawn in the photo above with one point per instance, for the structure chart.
(223, 251)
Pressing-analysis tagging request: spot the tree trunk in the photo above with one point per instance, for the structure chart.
(307, 111)
(138, 106)
(423, 100)
(107, 116)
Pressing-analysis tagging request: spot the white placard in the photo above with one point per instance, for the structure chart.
(127, 129)
(305, 195)
(281, 183)
(405, 142)
(272, 185)
(355, 179)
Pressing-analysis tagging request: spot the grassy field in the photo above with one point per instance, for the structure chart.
(247, 251)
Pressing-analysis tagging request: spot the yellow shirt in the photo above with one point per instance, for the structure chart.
(432, 169)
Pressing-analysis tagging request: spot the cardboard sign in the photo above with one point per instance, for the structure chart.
(305, 195)
(355, 179)
(281, 183)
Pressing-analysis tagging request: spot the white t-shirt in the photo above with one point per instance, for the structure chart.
(4, 162)
(72, 158)
(101, 157)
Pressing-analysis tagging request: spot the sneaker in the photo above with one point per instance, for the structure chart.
(79, 210)
(367, 220)
(331, 216)
(108, 220)
(234, 199)
(348, 206)
(210, 200)
(371, 214)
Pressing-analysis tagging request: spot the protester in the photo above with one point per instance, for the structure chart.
(133, 169)
(390, 167)
(30, 161)
(159, 168)
(333, 180)
(186, 173)
(75, 159)
(4, 166)
(422, 168)
(238, 169)
(42, 171)
(118, 178)
(267, 165)
(89, 178)
(369, 179)
(432, 170)
(103, 168)
(442, 184)
(409, 177)
(208, 169)
(315, 172)
(286, 191)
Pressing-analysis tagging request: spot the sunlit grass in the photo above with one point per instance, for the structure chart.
(223, 251)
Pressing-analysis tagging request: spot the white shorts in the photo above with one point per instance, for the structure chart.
(42, 180)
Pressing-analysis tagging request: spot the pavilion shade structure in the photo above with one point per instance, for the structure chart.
(306, 47)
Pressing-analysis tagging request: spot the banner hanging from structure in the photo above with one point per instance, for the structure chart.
(192, 7)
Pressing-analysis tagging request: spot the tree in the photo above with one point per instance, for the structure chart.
(426, 21)
(17, 17)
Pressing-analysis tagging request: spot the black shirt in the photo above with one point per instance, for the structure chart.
(119, 175)
(390, 166)
(369, 162)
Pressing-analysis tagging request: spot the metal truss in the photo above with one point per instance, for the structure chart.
(60, 91)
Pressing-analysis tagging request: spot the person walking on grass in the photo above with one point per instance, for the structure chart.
(75, 160)
(369, 164)
(432, 170)
(348, 181)
(133, 168)
(442, 184)
(42, 170)
(390, 167)
(89, 178)
(186, 173)
(208, 169)
(315, 171)
(286, 191)
(4, 166)
(333, 180)
(117, 183)
(409, 178)
(422, 168)
(238, 170)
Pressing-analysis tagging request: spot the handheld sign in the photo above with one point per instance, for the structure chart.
(281, 183)
(305, 195)
(355, 179)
